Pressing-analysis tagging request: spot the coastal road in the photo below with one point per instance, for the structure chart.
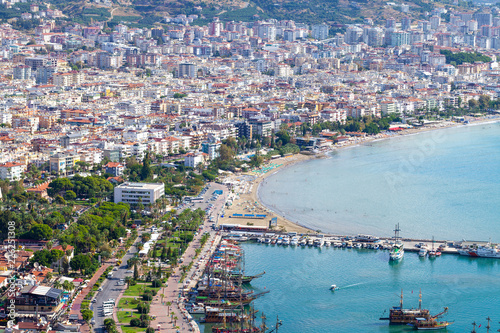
(163, 321)
(111, 289)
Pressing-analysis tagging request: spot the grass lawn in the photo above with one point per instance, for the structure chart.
(137, 291)
(124, 317)
(129, 329)
(123, 300)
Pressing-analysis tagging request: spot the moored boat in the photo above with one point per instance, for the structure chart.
(397, 251)
(400, 316)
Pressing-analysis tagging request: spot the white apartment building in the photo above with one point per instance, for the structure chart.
(135, 136)
(11, 171)
(133, 193)
(192, 160)
(6, 118)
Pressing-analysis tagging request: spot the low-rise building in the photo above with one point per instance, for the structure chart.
(192, 160)
(11, 171)
(63, 162)
(114, 168)
(133, 193)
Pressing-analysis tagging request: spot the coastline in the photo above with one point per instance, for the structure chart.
(254, 204)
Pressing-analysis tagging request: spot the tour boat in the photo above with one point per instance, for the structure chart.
(429, 324)
(397, 252)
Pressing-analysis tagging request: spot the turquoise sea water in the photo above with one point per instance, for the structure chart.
(299, 279)
(442, 183)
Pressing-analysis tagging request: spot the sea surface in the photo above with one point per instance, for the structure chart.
(443, 183)
(299, 279)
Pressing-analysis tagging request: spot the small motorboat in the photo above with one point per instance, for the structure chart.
(334, 287)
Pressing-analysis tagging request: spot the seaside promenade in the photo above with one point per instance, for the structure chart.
(169, 314)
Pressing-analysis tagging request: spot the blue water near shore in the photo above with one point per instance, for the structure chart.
(299, 281)
(443, 183)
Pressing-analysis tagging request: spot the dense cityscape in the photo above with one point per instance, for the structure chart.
(130, 155)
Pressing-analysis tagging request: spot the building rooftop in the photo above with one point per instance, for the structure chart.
(140, 186)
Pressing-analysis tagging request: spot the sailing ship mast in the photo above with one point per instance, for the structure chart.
(396, 234)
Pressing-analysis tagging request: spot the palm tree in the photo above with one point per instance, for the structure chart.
(169, 304)
(128, 279)
(68, 286)
(161, 295)
(57, 284)
(65, 285)
(175, 320)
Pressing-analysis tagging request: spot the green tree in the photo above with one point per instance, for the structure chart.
(70, 195)
(59, 200)
(143, 308)
(136, 272)
(87, 314)
(80, 262)
(484, 102)
(39, 232)
(146, 171)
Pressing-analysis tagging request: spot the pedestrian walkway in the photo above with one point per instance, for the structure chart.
(77, 303)
(179, 320)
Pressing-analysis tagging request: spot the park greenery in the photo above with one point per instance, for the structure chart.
(463, 57)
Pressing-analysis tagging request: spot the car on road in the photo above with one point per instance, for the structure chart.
(100, 289)
(129, 271)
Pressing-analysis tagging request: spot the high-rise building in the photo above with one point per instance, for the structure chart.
(353, 35)
(435, 22)
(187, 70)
(399, 38)
(472, 25)
(390, 23)
(406, 23)
(22, 72)
(320, 31)
(44, 74)
(289, 35)
(375, 37)
(267, 31)
(483, 19)
(215, 27)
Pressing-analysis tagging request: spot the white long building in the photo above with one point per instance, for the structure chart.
(133, 193)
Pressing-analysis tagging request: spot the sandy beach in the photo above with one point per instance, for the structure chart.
(245, 200)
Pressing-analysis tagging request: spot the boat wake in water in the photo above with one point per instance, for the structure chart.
(352, 285)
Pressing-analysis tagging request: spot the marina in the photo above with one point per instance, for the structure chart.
(369, 285)
(224, 297)
(423, 247)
